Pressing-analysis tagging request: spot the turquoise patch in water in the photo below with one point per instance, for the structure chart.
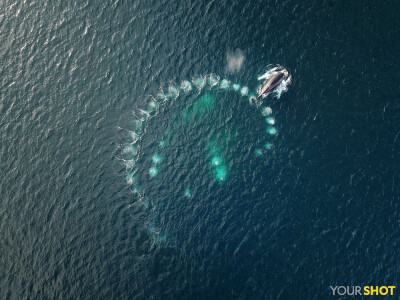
(270, 120)
(268, 146)
(221, 173)
(271, 130)
(258, 152)
(156, 158)
(188, 192)
(153, 171)
(216, 161)
(236, 87)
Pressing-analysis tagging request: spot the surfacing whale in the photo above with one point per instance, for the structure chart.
(273, 82)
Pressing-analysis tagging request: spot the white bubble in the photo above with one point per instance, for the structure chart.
(134, 136)
(142, 115)
(153, 171)
(156, 158)
(130, 149)
(130, 164)
(152, 106)
(213, 80)
(236, 86)
(244, 91)
(173, 92)
(225, 84)
(268, 146)
(271, 130)
(266, 111)
(199, 82)
(186, 86)
(161, 96)
(188, 192)
(258, 152)
(270, 120)
(130, 178)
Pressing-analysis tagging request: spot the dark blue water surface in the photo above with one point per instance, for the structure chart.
(320, 208)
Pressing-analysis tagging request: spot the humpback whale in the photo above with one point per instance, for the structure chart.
(273, 82)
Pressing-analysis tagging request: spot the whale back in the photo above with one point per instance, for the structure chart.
(277, 79)
(273, 82)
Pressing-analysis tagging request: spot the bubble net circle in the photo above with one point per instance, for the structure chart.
(131, 147)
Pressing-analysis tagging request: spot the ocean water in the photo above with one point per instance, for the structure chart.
(217, 207)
